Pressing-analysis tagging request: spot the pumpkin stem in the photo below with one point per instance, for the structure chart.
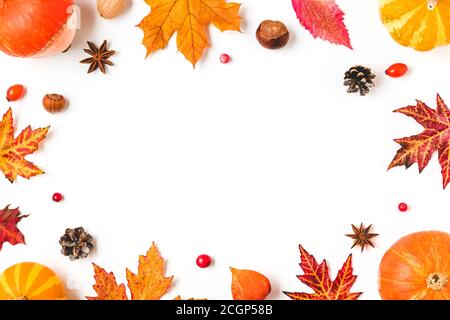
(437, 281)
(432, 4)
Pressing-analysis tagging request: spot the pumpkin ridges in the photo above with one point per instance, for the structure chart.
(446, 266)
(441, 263)
(428, 30)
(446, 294)
(425, 248)
(5, 290)
(443, 35)
(25, 270)
(50, 284)
(421, 295)
(445, 16)
(17, 277)
(407, 293)
(411, 263)
(45, 281)
(434, 295)
(390, 10)
(9, 282)
(435, 259)
(418, 29)
(33, 277)
(404, 33)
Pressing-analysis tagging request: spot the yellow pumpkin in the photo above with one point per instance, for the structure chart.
(419, 24)
(30, 281)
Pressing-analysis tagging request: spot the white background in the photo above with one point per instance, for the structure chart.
(242, 161)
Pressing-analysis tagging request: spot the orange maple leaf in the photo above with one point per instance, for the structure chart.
(13, 151)
(149, 284)
(190, 19)
(317, 277)
(106, 286)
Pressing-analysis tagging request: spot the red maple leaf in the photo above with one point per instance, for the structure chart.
(9, 218)
(436, 136)
(323, 19)
(317, 277)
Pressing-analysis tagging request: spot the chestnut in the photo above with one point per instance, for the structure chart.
(53, 102)
(272, 34)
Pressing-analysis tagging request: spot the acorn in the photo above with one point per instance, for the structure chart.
(53, 102)
(272, 34)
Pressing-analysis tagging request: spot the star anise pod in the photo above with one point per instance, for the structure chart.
(361, 236)
(99, 57)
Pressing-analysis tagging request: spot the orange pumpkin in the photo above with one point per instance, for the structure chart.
(30, 281)
(32, 28)
(417, 267)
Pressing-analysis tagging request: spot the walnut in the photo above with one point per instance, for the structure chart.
(109, 9)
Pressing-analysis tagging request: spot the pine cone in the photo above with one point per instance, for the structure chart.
(76, 243)
(359, 78)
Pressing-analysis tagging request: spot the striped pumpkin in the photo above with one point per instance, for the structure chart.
(30, 281)
(419, 24)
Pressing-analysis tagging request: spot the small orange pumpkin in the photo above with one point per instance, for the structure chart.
(30, 281)
(36, 28)
(417, 267)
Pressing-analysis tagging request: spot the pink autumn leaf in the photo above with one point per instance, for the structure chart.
(323, 19)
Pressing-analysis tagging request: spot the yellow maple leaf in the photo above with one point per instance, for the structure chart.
(149, 283)
(190, 19)
(13, 151)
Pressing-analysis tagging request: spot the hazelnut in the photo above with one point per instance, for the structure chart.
(54, 102)
(272, 34)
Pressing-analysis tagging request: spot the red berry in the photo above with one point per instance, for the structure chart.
(397, 70)
(402, 207)
(57, 197)
(225, 58)
(15, 92)
(203, 261)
